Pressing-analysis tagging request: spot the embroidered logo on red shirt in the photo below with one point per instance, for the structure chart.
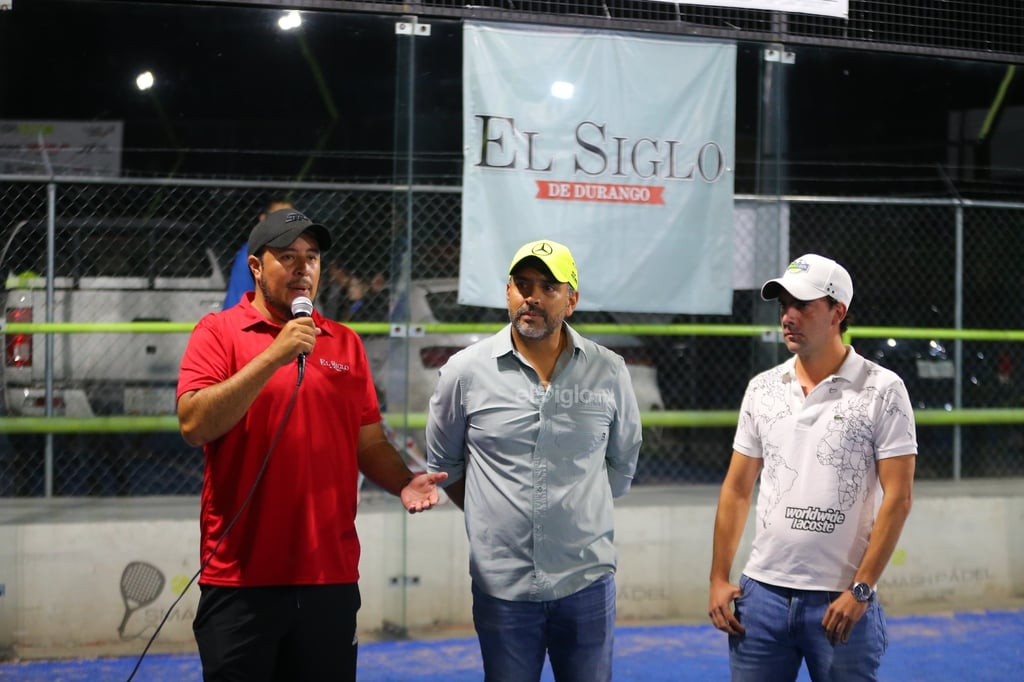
(336, 366)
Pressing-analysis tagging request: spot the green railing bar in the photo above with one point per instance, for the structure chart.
(614, 329)
(99, 327)
(418, 420)
(667, 418)
(142, 327)
(606, 329)
(115, 424)
(969, 416)
(937, 333)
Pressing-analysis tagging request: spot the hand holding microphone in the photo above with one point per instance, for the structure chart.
(302, 306)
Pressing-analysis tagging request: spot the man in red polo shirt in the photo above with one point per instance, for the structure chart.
(284, 439)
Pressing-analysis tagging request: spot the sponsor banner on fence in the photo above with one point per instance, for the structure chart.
(620, 146)
(828, 8)
(61, 147)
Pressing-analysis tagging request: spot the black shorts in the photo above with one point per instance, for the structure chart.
(272, 634)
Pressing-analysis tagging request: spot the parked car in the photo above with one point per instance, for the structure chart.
(106, 271)
(928, 368)
(435, 301)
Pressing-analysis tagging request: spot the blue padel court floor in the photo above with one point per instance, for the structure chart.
(982, 646)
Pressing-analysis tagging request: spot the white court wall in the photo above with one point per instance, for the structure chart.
(61, 563)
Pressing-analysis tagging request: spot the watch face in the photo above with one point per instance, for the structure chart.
(861, 591)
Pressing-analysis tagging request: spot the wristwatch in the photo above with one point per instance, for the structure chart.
(862, 592)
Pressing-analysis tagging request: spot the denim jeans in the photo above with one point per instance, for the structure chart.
(783, 627)
(576, 632)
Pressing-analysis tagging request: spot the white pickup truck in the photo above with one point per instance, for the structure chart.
(106, 270)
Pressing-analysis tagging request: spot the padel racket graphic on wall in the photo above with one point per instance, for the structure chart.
(141, 584)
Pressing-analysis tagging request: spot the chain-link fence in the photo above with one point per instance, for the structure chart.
(88, 409)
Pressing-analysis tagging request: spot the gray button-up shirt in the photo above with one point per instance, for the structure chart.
(541, 465)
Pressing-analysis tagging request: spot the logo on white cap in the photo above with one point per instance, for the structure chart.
(812, 276)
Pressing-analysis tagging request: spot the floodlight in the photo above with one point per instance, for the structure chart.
(290, 20)
(144, 81)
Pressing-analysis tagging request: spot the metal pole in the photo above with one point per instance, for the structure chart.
(958, 344)
(51, 228)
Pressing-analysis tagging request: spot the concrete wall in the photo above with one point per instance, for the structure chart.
(62, 563)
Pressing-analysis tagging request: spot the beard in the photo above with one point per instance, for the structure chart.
(529, 332)
(279, 308)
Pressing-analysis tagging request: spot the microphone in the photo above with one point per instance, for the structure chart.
(302, 306)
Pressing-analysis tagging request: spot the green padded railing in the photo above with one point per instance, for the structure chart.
(417, 420)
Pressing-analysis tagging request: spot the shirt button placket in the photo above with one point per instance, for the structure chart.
(540, 492)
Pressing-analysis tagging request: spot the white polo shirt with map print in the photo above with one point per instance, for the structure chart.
(819, 490)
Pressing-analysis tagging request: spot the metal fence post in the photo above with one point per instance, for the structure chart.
(51, 249)
(958, 344)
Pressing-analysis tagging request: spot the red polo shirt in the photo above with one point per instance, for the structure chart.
(299, 526)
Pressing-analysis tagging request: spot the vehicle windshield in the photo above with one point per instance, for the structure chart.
(159, 249)
(446, 308)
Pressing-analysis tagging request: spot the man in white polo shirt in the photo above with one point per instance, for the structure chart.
(831, 436)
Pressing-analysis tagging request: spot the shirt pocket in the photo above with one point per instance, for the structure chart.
(580, 441)
(582, 430)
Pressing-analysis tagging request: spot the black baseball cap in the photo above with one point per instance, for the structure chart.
(284, 226)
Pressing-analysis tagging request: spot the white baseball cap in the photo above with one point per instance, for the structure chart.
(809, 277)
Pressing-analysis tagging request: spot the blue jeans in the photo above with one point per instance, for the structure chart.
(783, 627)
(577, 633)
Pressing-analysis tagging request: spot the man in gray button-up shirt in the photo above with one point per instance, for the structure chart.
(538, 429)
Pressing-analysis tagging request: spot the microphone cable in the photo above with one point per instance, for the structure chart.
(213, 552)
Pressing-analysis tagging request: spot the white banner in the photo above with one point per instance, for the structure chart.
(61, 147)
(828, 8)
(619, 146)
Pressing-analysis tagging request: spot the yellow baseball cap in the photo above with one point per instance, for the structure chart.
(555, 256)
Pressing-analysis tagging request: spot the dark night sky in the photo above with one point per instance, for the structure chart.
(247, 99)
